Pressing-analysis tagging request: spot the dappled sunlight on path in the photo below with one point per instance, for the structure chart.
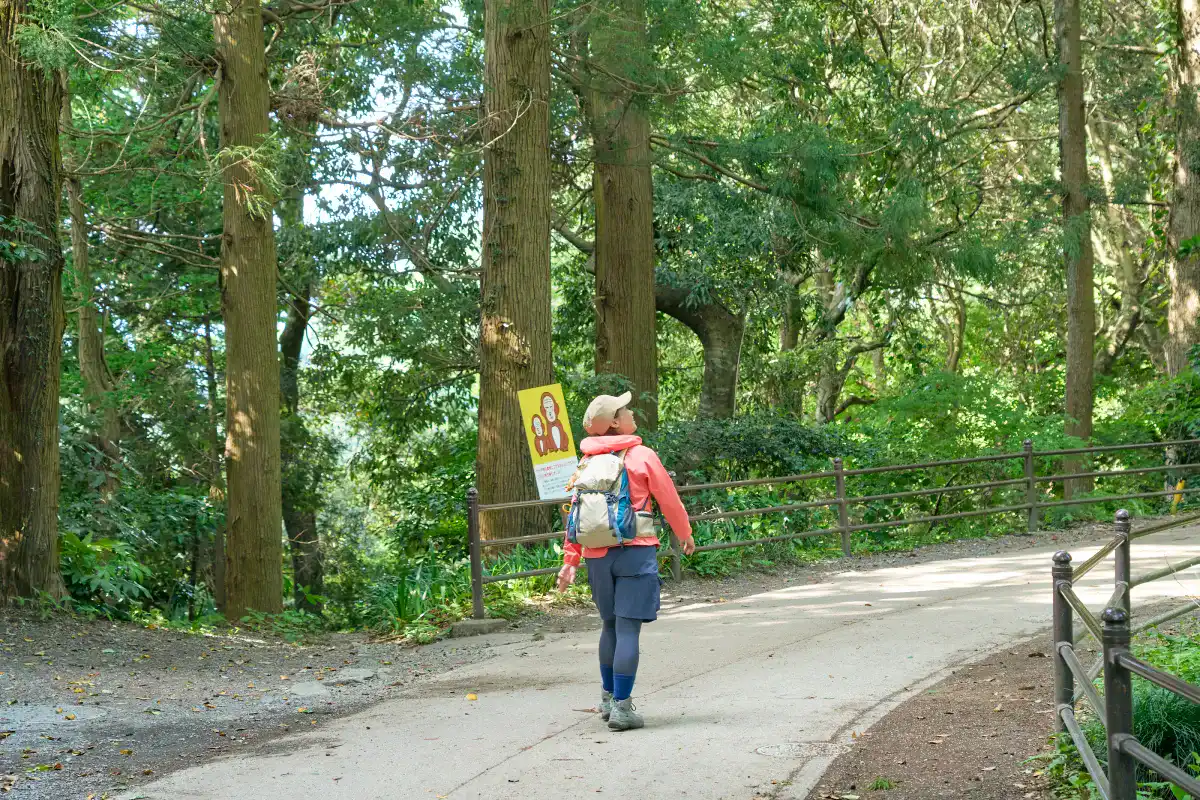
(753, 695)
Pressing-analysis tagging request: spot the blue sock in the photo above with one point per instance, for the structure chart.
(606, 677)
(622, 686)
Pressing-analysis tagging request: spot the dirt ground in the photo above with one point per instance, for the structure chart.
(973, 735)
(970, 737)
(90, 708)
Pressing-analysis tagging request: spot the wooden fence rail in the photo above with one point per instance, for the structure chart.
(842, 502)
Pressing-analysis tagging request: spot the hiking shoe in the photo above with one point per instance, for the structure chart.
(622, 716)
(606, 704)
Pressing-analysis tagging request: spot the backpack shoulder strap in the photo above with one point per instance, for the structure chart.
(578, 470)
(620, 470)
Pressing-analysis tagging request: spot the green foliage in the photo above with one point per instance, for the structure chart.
(44, 34)
(16, 236)
(877, 188)
(746, 447)
(102, 574)
(1163, 721)
(261, 163)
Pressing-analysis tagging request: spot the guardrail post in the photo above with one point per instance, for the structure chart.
(676, 561)
(476, 553)
(843, 513)
(1118, 706)
(1064, 681)
(1031, 486)
(1121, 556)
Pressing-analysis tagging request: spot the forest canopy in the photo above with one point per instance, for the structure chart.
(273, 274)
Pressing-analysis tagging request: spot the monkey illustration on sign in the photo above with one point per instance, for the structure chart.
(557, 434)
(540, 440)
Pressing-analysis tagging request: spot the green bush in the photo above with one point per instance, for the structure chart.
(102, 574)
(1162, 721)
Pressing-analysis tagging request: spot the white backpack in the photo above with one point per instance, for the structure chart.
(602, 513)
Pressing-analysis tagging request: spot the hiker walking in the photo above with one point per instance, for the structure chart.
(611, 524)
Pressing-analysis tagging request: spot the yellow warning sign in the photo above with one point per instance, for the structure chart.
(548, 432)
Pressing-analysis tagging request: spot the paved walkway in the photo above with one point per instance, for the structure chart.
(743, 699)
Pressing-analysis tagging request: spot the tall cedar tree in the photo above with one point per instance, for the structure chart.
(1183, 311)
(1077, 240)
(515, 291)
(31, 325)
(254, 516)
(624, 198)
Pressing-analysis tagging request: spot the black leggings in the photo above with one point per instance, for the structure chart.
(619, 644)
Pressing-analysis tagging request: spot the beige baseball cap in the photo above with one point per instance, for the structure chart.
(605, 408)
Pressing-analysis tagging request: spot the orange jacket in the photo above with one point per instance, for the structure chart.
(648, 479)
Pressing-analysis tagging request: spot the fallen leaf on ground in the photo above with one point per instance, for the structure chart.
(472, 696)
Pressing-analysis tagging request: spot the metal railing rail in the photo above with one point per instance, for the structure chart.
(1114, 630)
(842, 502)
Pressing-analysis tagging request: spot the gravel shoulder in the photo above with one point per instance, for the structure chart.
(92, 708)
(969, 737)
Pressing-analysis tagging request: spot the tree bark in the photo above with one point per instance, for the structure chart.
(31, 324)
(98, 384)
(515, 286)
(216, 482)
(254, 550)
(626, 343)
(720, 332)
(1077, 241)
(299, 491)
(1183, 309)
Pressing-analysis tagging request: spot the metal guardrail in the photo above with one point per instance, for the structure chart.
(841, 502)
(1114, 631)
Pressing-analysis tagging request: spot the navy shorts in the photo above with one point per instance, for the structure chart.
(625, 583)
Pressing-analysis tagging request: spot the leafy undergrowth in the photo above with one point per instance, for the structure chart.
(1165, 722)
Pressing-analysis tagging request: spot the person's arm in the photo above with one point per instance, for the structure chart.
(662, 489)
(572, 553)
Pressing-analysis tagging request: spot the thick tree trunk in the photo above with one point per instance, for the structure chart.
(1183, 310)
(299, 508)
(721, 333)
(624, 197)
(31, 323)
(515, 291)
(98, 384)
(214, 570)
(1077, 240)
(253, 571)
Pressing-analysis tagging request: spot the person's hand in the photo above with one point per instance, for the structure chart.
(566, 576)
(689, 545)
